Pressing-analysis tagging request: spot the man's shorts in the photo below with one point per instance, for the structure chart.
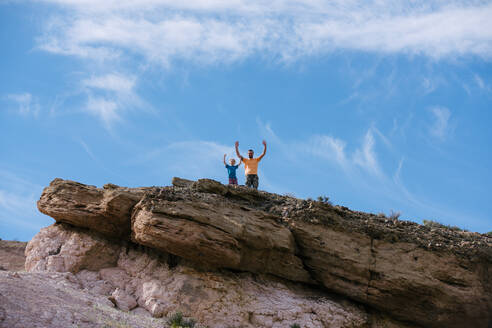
(233, 181)
(252, 181)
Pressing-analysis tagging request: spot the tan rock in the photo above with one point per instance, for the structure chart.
(103, 210)
(180, 182)
(218, 234)
(434, 277)
(435, 289)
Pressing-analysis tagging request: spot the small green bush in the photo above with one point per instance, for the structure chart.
(176, 321)
(489, 233)
(295, 325)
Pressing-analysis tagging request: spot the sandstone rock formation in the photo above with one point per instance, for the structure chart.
(286, 256)
(105, 210)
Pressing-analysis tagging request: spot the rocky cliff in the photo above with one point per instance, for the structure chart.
(236, 257)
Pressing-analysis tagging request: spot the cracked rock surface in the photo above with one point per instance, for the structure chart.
(429, 277)
(156, 284)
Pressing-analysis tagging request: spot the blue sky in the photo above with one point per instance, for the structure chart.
(380, 105)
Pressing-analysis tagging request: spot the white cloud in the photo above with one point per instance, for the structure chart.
(109, 95)
(218, 31)
(329, 148)
(481, 83)
(25, 103)
(365, 157)
(440, 128)
(333, 150)
(112, 82)
(106, 110)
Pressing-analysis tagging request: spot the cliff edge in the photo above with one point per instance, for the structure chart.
(233, 256)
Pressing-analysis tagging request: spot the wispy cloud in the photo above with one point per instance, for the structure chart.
(365, 156)
(25, 103)
(202, 31)
(138, 36)
(481, 83)
(440, 128)
(112, 82)
(363, 170)
(362, 160)
(109, 95)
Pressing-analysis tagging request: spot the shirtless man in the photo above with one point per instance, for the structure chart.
(251, 165)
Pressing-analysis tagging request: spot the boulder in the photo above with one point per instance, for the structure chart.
(58, 249)
(123, 300)
(106, 210)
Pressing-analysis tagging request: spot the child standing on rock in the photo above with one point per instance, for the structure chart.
(231, 170)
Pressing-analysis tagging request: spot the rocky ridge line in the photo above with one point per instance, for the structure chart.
(431, 277)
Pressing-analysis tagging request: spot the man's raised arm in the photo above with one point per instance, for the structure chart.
(225, 160)
(264, 149)
(237, 150)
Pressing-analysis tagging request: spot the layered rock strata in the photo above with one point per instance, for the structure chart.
(145, 281)
(427, 276)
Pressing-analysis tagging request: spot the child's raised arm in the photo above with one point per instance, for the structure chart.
(225, 160)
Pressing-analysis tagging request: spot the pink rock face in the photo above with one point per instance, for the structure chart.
(144, 279)
(58, 249)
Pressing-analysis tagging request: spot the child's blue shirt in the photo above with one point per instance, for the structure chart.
(232, 170)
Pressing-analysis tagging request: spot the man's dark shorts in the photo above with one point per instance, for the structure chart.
(252, 181)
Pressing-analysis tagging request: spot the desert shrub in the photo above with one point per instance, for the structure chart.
(394, 215)
(435, 224)
(295, 325)
(324, 199)
(176, 320)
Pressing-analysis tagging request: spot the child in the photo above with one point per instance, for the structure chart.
(231, 169)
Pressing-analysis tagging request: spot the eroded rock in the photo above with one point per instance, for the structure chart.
(104, 210)
(218, 299)
(218, 234)
(429, 276)
(58, 249)
(436, 289)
